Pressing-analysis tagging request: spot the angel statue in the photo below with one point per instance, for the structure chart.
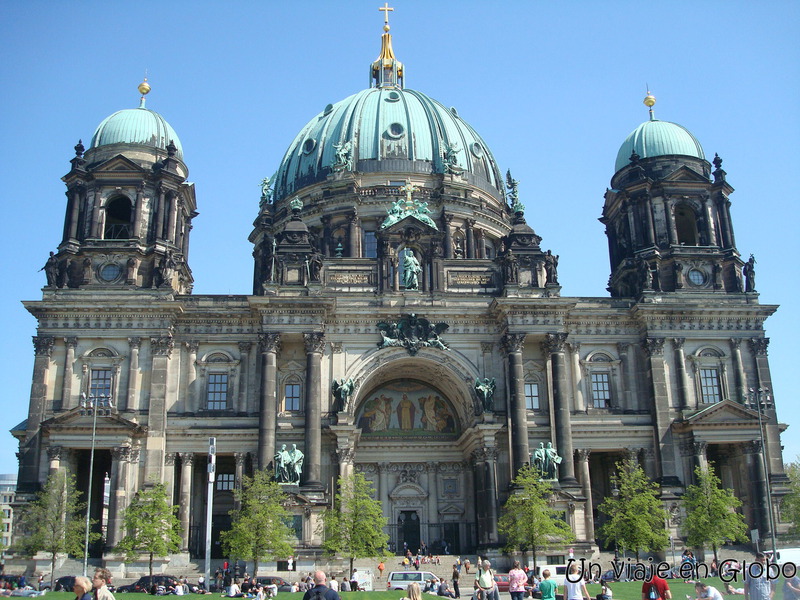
(266, 189)
(485, 390)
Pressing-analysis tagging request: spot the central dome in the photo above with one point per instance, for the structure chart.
(389, 129)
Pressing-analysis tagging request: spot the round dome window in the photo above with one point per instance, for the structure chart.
(477, 150)
(328, 110)
(696, 277)
(309, 145)
(396, 130)
(110, 272)
(393, 96)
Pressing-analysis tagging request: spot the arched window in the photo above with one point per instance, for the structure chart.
(710, 375)
(119, 219)
(600, 374)
(686, 225)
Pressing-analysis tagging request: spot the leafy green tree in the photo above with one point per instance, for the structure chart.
(529, 521)
(151, 525)
(55, 522)
(636, 518)
(711, 515)
(353, 527)
(790, 506)
(260, 527)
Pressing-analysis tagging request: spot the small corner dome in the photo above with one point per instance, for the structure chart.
(139, 126)
(390, 129)
(658, 138)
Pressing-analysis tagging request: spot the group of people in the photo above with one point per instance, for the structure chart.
(94, 589)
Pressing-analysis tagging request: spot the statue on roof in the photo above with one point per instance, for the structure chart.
(343, 161)
(408, 206)
(450, 158)
(513, 193)
(266, 189)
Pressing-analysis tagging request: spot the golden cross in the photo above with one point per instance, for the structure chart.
(385, 8)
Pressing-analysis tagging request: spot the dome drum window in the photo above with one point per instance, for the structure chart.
(109, 272)
(309, 145)
(696, 277)
(396, 131)
(477, 150)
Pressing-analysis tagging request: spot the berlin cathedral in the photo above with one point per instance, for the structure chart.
(404, 323)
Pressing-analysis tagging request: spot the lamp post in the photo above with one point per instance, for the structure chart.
(760, 400)
(91, 403)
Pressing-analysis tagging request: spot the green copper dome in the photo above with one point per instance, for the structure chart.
(658, 138)
(388, 129)
(136, 126)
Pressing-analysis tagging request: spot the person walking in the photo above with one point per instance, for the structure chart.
(547, 586)
(575, 586)
(757, 585)
(100, 581)
(455, 577)
(516, 582)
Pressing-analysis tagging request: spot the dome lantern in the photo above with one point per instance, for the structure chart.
(386, 70)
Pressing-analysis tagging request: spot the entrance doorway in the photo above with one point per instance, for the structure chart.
(451, 541)
(408, 526)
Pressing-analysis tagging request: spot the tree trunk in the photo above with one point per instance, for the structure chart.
(151, 568)
(52, 570)
(352, 558)
(255, 567)
(714, 548)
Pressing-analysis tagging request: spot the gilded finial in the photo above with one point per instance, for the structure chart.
(144, 89)
(650, 101)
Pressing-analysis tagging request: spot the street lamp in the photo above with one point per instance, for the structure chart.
(91, 403)
(760, 400)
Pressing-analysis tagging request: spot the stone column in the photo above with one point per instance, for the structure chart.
(117, 500)
(54, 456)
(727, 211)
(447, 219)
(480, 244)
(628, 375)
(670, 218)
(469, 224)
(326, 236)
(239, 457)
(554, 345)
(345, 456)
(648, 220)
(187, 461)
(75, 210)
(586, 489)
(761, 504)
(185, 241)
(433, 498)
(138, 212)
(132, 400)
(383, 484)
(713, 231)
(577, 376)
(680, 369)
(513, 344)
(315, 345)
(173, 218)
(758, 346)
(654, 348)
(169, 476)
(94, 226)
(738, 369)
(354, 235)
(161, 351)
(268, 410)
(66, 385)
(699, 448)
(29, 449)
(244, 368)
(491, 489)
(192, 399)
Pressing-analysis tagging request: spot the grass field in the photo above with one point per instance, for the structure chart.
(622, 591)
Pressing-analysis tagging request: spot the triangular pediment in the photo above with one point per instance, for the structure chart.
(410, 222)
(118, 164)
(684, 173)
(451, 509)
(78, 419)
(726, 413)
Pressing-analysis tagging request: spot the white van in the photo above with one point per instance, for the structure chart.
(787, 555)
(558, 573)
(399, 580)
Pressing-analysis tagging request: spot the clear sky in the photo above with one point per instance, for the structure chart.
(553, 87)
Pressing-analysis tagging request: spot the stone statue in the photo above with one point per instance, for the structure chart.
(295, 464)
(485, 390)
(450, 158)
(513, 193)
(342, 390)
(749, 271)
(282, 465)
(343, 161)
(50, 269)
(539, 457)
(551, 268)
(266, 189)
(315, 267)
(552, 460)
(645, 275)
(510, 268)
(411, 271)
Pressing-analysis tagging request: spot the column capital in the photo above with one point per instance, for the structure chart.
(575, 347)
(554, 342)
(192, 346)
(751, 447)
(431, 467)
(623, 347)
(43, 345)
(133, 455)
(314, 342)
(187, 458)
(699, 447)
(677, 343)
(583, 454)
(71, 342)
(134, 342)
(162, 346)
(513, 342)
(120, 453)
(758, 346)
(653, 346)
(345, 455)
(244, 347)
(55, 452)
(169, 459)
(270, 342)
(240, 457)
(736, 343)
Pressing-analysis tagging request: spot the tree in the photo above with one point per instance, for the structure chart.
(711, 512)
(55, 522)
(529, 521)
(260, 527)
(790, 506)
(151, 525)
(636, 519)
(353, 527)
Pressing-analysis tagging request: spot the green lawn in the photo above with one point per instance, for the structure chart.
(622, 591)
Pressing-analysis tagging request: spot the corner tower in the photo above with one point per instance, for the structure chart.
(129, 208)
(668, 223)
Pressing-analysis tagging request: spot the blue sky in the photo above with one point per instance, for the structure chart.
(553, 87)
